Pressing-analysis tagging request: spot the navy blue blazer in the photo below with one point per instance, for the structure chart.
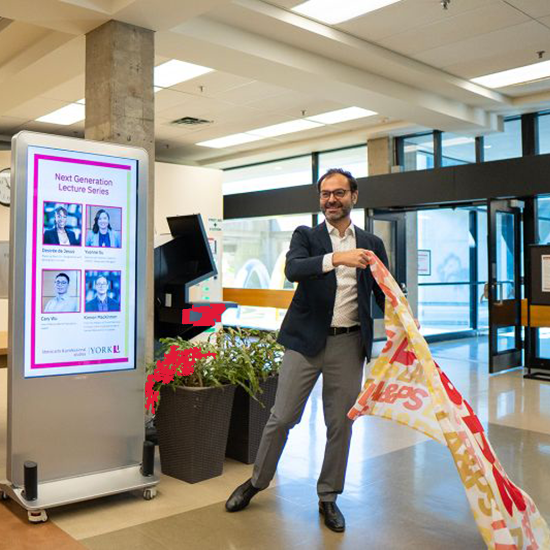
(93, 305)
(307, 322)
(51, 237)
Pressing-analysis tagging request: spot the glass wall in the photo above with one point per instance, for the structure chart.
(544, 133)
(504, 145)
(353, 160)
(444, 242)
(543, 208)
(418, 152)
(271, 175)
(457, 149)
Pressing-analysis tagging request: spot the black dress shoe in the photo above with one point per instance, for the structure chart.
(334, 519)
(241, 497)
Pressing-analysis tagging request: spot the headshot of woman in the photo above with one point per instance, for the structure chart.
(60, 234)
(102, 234)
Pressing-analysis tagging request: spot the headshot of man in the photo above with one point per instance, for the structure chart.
(62, 302)
(102, 234)
(102, 302)
(328, 330)
(60, 234)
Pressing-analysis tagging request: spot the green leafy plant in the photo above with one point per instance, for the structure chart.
(243, 357)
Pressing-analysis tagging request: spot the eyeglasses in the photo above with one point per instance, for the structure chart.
(338, 194)
(61, 282)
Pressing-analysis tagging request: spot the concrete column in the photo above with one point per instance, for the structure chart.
(120, 108)
(380, 153)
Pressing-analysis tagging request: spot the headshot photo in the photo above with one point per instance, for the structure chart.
(102, 291)
(103, 226)
(62, 224)
(60, 291)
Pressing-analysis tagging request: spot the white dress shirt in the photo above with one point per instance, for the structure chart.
(346, 308)
(61, 304)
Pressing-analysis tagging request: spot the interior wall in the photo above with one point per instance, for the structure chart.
(183, 190)
(5, 162)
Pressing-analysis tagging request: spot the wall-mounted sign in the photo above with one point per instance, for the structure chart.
(424, 263)
(81, 252)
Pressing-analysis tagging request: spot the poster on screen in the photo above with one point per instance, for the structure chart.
(80, 288)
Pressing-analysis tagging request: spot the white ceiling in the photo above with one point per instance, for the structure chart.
(411, 62)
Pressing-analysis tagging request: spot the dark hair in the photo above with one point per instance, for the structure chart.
(102, 277)
(63, 275)
(351, 180)
(95, 228)
(61, 209)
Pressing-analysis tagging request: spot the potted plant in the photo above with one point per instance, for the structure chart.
(253, 401)
(193, 413)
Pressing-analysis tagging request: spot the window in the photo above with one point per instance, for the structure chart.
(457, 149)
(418, 152)
(544, 133)
(270, 175)
(353, 160)
(504, 145)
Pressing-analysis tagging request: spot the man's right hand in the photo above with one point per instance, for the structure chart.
(358, 257)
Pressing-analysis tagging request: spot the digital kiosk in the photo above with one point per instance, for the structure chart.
(77, 323)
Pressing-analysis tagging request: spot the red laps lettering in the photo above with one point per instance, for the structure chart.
(209, 315)
(392, 392)
(180, 362)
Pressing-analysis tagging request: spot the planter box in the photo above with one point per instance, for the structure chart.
(192, 426)
(248, 420)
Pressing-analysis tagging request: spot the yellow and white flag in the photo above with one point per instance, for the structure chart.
(406, 385)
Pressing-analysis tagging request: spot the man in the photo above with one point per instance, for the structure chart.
(62, 303)
(102, 302)
(328, 329)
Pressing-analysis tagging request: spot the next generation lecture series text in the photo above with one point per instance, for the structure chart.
(81, 189)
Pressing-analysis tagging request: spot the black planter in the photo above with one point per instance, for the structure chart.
(192, 426)
(248, 420)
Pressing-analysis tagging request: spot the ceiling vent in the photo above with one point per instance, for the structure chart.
(191, 121)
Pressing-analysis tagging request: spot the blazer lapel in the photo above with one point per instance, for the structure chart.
(324, 237)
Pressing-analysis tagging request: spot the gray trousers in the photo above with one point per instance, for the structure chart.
(341, 363)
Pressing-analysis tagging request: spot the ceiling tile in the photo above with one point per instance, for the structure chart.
(456, 29)
(9, 124)
(168, 99)
(251, 93)
(35, 108)
(534, 8)
(214, 83)
(404, 16)
(69, 91)
(494, 44)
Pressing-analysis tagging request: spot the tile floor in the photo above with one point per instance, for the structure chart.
(402, 489)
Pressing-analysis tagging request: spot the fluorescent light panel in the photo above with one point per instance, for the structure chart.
(228, 141)
(337, 11)
(75, 112)
(341, 115)
(519, 75)
(175, 71)
(289, 127)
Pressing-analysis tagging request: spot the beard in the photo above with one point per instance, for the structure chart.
(336, 211)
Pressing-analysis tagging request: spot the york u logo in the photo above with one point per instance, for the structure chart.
(98, 350)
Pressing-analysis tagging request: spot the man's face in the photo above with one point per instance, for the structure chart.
(335, 207)
(61, 286)
(101, 286)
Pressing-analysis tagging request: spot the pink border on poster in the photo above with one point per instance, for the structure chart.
(68, 160)
(79, 299)
(88, 206)
(81, 230)
(103, 271)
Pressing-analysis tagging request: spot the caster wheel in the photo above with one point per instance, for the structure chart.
(150, 493)
(37, 516)
(4, 496)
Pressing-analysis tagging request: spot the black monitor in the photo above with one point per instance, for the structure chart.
(182, 262)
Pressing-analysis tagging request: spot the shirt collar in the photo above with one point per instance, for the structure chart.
(350, 230)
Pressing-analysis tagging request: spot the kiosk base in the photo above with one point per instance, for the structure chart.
(77, 489)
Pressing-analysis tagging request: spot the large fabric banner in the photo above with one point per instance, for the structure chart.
(406, 385)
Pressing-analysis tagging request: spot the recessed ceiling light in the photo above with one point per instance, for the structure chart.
(175, 71)
(519, 75)
(337, 11)
(75, 112)
(228, 141)
(341, 115)
(285, 128)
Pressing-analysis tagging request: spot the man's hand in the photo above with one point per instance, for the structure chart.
(358, 257)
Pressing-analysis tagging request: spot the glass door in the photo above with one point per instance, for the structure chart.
(504, 286)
